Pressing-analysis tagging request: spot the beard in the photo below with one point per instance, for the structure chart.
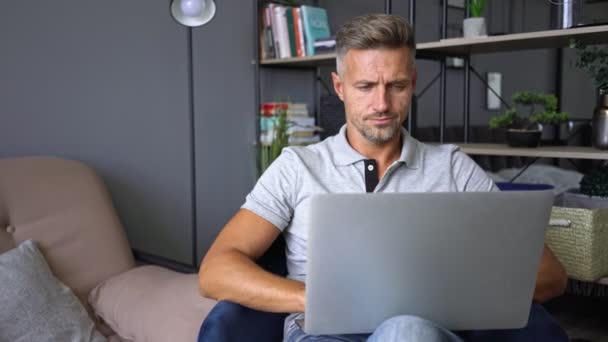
(378, 135)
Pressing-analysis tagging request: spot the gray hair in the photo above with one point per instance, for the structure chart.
(374, 31)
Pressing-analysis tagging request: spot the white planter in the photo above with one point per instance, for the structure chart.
(474, 27)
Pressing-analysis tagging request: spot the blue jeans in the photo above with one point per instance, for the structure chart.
(541, 327)
(400, 328)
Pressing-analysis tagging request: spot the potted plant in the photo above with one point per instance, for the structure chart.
(527, 131)
(592, 192)
(475, 25)
(549, 118)
(595, 184)
(277, 128)
(594, 60)
(273, 139)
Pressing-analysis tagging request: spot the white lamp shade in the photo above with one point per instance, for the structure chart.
(192, 12)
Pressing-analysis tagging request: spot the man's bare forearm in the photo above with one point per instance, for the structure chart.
(233, 276)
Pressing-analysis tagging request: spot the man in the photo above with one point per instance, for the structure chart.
(375, 79)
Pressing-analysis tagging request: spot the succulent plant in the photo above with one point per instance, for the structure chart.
(549, 116)
(595, 183)
(476, 7)
(594, 60)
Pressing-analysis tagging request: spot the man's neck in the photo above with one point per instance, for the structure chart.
(384, 154)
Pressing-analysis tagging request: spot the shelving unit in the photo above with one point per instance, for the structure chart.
(517, 41)
(467, 46)
(570, 152)
(308, 61)
(485, 45)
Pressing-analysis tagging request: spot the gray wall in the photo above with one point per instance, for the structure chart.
(225, 116)
(107, 83)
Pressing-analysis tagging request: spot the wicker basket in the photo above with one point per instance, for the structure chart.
(583, 247)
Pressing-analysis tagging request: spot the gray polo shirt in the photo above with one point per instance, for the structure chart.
(282, 193)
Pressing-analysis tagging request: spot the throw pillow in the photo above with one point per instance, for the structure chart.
(151, 303)
(36, 306)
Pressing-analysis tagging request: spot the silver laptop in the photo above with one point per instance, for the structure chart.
(467, 261)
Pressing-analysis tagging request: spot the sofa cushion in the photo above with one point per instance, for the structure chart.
(35, 305)
(64, 206)
(6, 240)
(151, 303)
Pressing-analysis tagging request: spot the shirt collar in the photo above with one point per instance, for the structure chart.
(346, 155)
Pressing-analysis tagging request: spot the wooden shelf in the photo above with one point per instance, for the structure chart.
(465, 46)
(571, 152)
(518, 41)
(327, 58)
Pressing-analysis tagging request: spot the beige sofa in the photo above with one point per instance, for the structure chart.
(65, 208)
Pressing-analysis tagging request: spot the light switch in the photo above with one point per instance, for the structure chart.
(495, 83)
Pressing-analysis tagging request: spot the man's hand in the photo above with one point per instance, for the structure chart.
(551, 280)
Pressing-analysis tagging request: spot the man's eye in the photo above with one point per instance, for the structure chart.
(364, 87)
(399, 86)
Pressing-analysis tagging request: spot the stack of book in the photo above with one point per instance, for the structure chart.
(291, 31)
(301, 128)
(325, 45)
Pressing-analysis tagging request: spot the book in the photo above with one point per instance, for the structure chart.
(281, 31)
(291, 31)
(291, 109)
(326, 42)
(316, 26)
(266, 38)
(274, 28)
(303, 140)
(300, 125)
(325, 45)
(299, 36)
(301, 32)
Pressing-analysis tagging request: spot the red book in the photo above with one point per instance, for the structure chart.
(296, 24)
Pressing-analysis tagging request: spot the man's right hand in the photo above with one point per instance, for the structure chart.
(229, 271)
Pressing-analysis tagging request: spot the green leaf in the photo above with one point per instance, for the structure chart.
(595, 183)
(594, 60)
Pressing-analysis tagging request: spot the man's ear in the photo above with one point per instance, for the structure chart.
(338, 86)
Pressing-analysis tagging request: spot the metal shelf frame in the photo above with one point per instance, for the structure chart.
(439, 51)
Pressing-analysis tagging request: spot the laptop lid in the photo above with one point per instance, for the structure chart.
(464, 260)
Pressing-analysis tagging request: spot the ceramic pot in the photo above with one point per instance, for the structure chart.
(522, 138)
(474, 27)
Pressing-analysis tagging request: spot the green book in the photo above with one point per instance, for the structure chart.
(292, 32)
(316, 26)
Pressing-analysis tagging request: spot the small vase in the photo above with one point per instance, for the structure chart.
(599, 122)
(474, 27)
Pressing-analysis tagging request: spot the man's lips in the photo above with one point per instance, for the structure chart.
(381, 119)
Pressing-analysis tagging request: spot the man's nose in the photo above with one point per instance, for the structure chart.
(381, 100)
